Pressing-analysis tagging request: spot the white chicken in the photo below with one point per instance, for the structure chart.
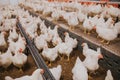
(7, 25)
(21, 43)
(56, 14)
(38, 8)
(47, 11)
(96, 9)
(72, 42)
(37, 20)
(50, 53)
(56, 71)
(113, 11)
(73, 20)
(117, 25)
(54, 31)
(79, 71)
(36, 75)
(92, 57)
(31, 29)
(107, 34)
(109, 23)
(19, 59)
(105, 13)
(43, 27)
(12, 45)
(94, 20)
(101, 21)
(81, 16)
(88, 25)
(65, 48)
(109, 76)
(40, 42)
(6, 59)
(56, 40)
(13, 34)
(13, 22)
(2, 39)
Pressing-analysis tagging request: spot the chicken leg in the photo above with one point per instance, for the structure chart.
(108, 42)
(97, 36)
(55, 20)
(21, 70)
(50, 64)
(89, 77)
(92, 31)
(88, 33)
(85, 31)
(102, 41)
(46, 62)
(61, 57)
(68, 59)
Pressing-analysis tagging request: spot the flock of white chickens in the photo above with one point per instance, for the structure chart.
(100, 17)
(17, 44)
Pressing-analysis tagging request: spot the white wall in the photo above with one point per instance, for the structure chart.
(4, 2)
(12, 2)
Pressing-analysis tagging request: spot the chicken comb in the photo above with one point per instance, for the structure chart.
(100, 56)
(20, 50)
(83, 44)
(65, 33)
(42, 71)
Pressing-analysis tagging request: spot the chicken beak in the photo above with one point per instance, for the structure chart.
(42, 71)
(82, 44)
(100, 56)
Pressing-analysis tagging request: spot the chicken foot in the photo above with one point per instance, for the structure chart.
(102, 41)
(89, 77)
(61, 56)
(71, 28)
(21, 70)
(108, 42)
(97, 36)
(68, 59)
(89, 33)
(50, 64)
(93, 73)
